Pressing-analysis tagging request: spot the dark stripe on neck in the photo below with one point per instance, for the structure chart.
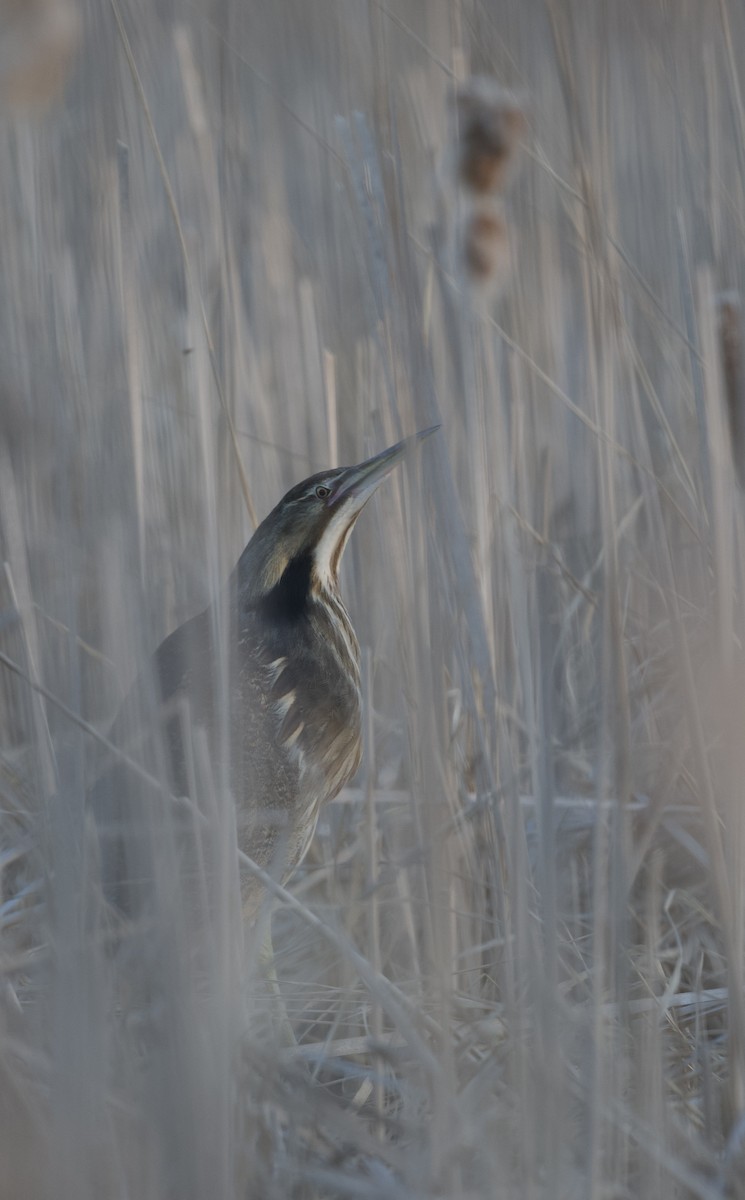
(289, 599)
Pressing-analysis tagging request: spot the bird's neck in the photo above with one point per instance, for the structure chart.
(290, 597)
(291, 594)
(339, 632)
(300, 598)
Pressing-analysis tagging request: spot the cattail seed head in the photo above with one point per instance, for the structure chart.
(37, 41)
(490, 123)
(486, 243)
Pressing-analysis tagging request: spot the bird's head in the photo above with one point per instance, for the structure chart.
(297, 549)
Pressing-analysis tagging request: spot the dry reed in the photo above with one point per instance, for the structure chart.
(514, 957)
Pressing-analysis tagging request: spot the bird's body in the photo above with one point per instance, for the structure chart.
(292, 706)
(280, 699)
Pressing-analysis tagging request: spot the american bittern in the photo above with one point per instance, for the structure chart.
(290, 697)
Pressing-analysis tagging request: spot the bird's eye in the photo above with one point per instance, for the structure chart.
(322, 492)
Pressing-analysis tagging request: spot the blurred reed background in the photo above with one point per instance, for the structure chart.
(241, 245)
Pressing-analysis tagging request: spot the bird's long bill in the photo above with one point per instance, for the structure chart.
(362, 480)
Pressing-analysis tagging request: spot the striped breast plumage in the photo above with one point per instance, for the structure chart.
(301, 729)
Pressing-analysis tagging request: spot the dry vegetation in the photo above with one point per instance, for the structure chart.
(231, 255)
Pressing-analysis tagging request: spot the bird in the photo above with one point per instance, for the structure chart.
(288, 699)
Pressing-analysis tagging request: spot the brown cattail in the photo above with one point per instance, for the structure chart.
(37, 41)
(485, 243)
(490, 123)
